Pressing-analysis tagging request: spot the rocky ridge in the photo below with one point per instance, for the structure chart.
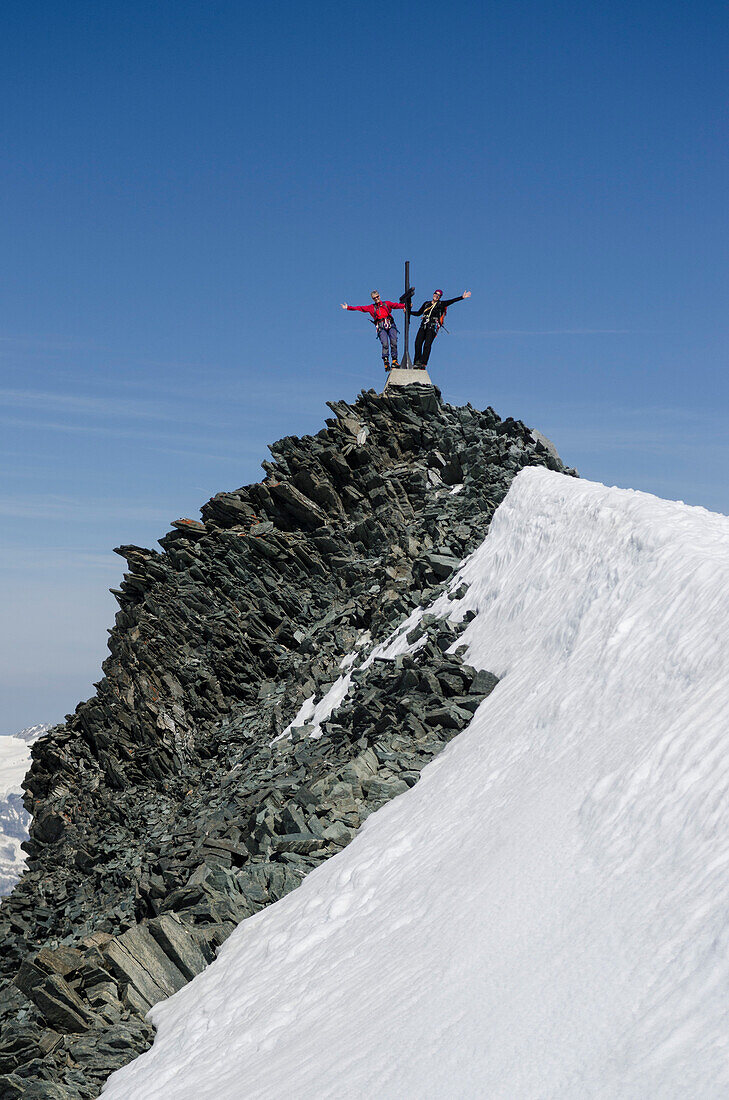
(169, 806)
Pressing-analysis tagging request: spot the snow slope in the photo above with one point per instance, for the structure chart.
(545, 914)
(14, 763)
(14, 819)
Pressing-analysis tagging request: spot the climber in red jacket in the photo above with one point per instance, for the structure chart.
(385, 328)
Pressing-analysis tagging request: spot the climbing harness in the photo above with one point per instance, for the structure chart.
(438, 322)
(381, 322)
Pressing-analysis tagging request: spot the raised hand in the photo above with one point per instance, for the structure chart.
(466, 294)
(344, 305)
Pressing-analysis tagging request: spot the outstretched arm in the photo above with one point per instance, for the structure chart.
(451, 301)
(418, 312)
(395, 305)
(357, 309)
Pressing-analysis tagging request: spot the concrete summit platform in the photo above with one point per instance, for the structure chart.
(400, 377)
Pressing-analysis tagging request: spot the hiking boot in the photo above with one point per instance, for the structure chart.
(395, 363)
(386, 364)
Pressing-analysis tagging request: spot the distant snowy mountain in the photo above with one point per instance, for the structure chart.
(14, 763)
(544, 913)
(32, 733)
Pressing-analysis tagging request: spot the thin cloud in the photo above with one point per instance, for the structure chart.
(62, 343)
(157, 438)
(546, 332)
(238, 451)
(47, 558)
(76, 404)
(638, 418)
(47, 343)
(231, 392)
(51, 507)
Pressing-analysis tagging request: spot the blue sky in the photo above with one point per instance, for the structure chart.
(189, 190)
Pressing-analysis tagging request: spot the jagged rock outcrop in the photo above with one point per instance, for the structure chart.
(168, 807)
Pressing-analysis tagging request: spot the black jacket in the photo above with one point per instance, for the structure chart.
(433, 315)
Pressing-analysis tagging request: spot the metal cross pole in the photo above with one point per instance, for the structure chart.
(407, 299)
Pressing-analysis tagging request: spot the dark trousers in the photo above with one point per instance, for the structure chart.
(423, 344)
(388, 339)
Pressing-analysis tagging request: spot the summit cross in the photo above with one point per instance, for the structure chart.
(407, 298)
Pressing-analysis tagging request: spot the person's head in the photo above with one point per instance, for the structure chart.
(375, 295)
(437, 295)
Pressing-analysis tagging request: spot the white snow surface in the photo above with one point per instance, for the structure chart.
(546, 913)
(14, 763)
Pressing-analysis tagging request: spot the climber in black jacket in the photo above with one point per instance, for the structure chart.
(433, 314)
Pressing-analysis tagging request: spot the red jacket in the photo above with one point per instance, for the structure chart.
(379, 312)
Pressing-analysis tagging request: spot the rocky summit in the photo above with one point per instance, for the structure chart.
(191, 790)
